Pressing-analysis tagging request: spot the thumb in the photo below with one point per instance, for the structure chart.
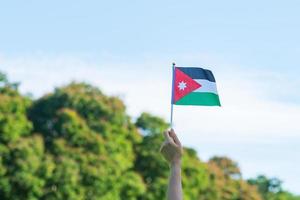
(173, 135)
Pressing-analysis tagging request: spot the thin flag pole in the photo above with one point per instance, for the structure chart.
(172, 92)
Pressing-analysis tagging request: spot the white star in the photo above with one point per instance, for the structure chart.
(182, 85)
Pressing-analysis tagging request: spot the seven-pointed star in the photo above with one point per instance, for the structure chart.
(182, 85)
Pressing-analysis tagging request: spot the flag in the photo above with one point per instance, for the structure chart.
(194, 86)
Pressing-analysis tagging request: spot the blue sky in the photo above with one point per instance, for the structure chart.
(127, 47)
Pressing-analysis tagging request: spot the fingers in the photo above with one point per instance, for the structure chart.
(167, 136)
(174, 137)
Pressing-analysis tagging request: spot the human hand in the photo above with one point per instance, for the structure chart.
(171, 149)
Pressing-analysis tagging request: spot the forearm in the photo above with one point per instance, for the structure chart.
(175, 187)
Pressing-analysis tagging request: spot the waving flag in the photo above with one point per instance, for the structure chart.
(194, 86)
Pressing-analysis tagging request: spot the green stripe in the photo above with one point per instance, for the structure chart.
(200, 98)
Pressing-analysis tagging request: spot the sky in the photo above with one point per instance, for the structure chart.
(126, 48)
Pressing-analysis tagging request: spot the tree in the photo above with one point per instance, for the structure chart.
(226, 181)
(92, 137)
(149, 162)
(13, 107)
(271, 188)
(24, 169)
(228, 166)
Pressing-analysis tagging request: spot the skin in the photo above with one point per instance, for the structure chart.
(171, 149)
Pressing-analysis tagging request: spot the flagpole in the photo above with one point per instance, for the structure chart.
(172, 94)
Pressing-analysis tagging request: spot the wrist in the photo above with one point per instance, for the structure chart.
(176, 163)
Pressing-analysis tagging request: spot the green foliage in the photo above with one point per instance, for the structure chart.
(224, 182)
(228, 167)
(6, 86)
(92, 137)
(149, 162)
(79, 144)
(195, 179)
(25, 169)
(151, 124)
(13, 108)
(271, 188)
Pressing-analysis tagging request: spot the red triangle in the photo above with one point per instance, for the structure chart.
(183, 85)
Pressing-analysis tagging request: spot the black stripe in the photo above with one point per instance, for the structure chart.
(198, 73)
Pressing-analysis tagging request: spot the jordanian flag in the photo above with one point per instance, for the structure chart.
(194, 86)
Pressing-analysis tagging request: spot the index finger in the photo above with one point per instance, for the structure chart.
(174, 137)
(167, 136)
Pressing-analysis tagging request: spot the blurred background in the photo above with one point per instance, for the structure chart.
(85, 94)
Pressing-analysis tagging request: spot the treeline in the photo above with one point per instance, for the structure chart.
(79, 144)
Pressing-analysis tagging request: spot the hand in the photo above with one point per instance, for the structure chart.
(171, 149)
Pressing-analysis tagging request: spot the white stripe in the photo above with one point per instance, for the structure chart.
(206, 86)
